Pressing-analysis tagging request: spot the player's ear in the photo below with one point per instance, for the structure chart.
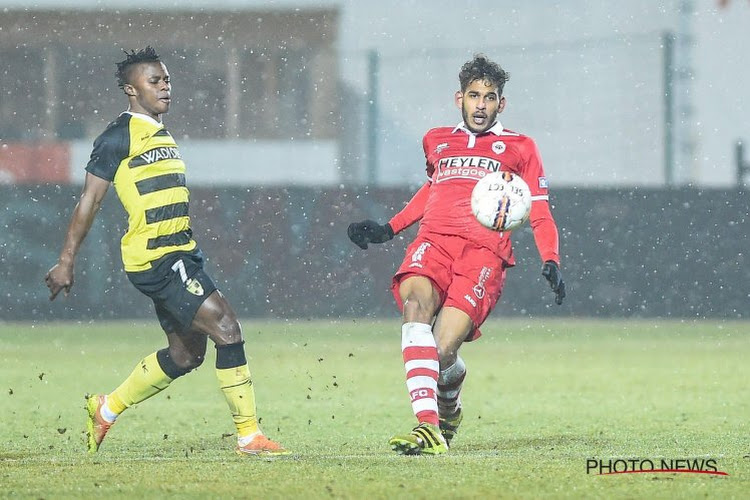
(129, 90)
(459, 97)
(501, 105)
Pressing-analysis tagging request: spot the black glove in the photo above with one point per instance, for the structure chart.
(369, 231)
(551, 271)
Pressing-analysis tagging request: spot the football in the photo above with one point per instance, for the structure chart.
(501, 201)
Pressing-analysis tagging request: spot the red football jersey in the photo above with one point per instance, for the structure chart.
(456, 160)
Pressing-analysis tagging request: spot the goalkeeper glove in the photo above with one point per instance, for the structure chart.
(551, 271)
(369, 231)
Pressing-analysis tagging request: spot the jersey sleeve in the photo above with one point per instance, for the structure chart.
(412, 212)
(109, 150)
(533, 171)
(546, 235)
(414, 209)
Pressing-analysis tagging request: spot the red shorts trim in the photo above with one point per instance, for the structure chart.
(467, 276)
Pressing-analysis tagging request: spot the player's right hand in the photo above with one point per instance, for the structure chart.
(369, 231)
(59, 278)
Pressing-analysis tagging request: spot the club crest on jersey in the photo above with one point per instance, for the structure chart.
(543, 183)
(498, 147)
(440, 147)
(194, 286)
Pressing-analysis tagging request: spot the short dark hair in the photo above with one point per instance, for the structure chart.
(146, 55)
(481, 68)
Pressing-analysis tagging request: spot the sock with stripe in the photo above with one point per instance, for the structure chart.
(422, 367)
(237, 386)
(449, 386)
(151, 376)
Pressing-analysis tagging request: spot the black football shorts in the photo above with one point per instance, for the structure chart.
(178, 285)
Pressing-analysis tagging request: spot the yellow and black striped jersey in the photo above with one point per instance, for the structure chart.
(141, 159)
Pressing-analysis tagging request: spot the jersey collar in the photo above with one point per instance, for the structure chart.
(144, 117)
(496, 129)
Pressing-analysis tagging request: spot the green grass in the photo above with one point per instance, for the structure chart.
(541, 397)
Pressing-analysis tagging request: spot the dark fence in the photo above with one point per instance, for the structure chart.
(284, 253)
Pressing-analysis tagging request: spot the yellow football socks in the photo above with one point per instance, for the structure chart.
(147, 379)
(238, 389)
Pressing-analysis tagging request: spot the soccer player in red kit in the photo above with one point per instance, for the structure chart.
(454, 271)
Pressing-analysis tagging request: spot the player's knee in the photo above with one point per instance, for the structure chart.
(227, 330)
(447, 354)
(418, 309)
(217, 320)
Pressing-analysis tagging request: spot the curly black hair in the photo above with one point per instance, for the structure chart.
(146, 55)
(481, 68)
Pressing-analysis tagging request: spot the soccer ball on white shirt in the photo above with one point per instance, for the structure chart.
(501, 201)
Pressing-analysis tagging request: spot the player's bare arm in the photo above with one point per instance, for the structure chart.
(60, 277)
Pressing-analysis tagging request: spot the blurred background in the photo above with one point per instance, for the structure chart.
(298, 117)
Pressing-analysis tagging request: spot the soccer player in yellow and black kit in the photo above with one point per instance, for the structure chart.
(138, 155)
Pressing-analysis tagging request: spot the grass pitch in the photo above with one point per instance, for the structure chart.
(542, 397)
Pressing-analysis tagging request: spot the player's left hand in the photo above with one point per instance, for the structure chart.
(551, 271)
(58, 279)
(369, 231)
